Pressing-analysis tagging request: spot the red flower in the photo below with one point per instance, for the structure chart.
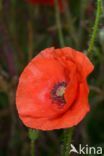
(45, 2)
(52, 92)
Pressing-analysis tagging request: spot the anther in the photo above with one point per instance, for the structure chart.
(58, 91)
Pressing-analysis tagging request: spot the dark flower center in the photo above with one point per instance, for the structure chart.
(58, 91)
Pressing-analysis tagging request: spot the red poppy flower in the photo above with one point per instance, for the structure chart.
(45, 2)
(52, 92)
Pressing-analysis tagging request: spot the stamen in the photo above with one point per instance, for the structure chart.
(58, 91)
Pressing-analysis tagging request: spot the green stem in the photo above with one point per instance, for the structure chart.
(33, 135)
(32, 148)
(83, 6)
(58, 23)
(69, 19)
(95, 28)
(67, 141)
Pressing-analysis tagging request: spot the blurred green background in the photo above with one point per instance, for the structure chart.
(26, 29)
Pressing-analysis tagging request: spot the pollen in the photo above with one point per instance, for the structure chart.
(58, 91)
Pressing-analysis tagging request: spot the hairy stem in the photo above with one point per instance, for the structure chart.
(95, 28)
(32, 148)
(67, 141)
(33, 135)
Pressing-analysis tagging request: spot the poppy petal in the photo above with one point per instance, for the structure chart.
(70, 118)
(83, 63)
(53, 75)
